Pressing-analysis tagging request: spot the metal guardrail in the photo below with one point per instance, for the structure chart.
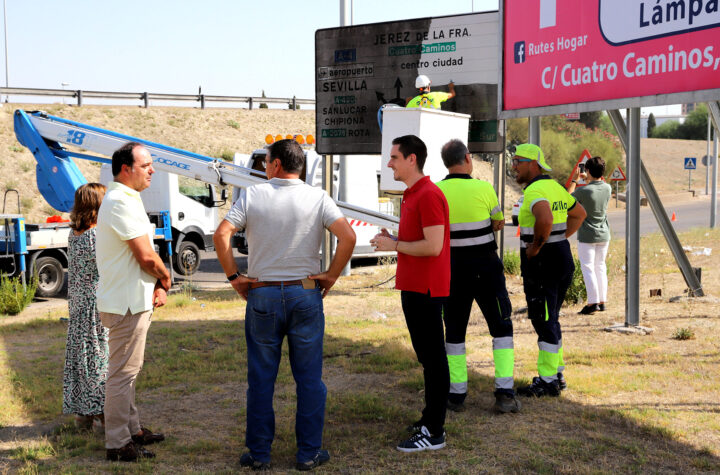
(146, 97)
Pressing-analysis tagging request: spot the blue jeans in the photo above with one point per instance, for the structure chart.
(273, 312)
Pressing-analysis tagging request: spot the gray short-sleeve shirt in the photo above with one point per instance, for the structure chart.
(284, 221)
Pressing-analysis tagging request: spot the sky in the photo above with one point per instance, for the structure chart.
(229, 47)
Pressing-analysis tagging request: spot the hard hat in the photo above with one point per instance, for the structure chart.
(422, 81)
(533, 152)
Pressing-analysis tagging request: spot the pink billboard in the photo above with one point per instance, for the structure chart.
(580, 55)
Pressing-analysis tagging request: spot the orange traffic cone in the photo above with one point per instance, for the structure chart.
(674, 218)
(518, 232)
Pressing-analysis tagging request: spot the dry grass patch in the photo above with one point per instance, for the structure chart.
(634, 403)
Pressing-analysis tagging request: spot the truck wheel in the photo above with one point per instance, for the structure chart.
(50, 276)
(187, 259)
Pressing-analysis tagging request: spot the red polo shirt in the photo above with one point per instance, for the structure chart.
(424, 205)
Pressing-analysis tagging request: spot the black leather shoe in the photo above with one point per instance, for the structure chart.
(128, 453)
(562, 384)
(589, 309)
(601, 307)
(320, 458)
(505, 403)
(247, 460)
(540, 388)
(147, 437)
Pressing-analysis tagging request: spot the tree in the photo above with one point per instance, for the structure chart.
(262, 104)
(695, 125)
(590, 119)
(651, 125)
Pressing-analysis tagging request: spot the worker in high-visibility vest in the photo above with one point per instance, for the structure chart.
(476, 273)
(425, 98)
(548, 216)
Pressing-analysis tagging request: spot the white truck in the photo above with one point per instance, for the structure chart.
(362, 189)
(192, 206)
(194, 182)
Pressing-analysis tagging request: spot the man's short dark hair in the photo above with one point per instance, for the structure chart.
(123, 156)
(453, 153)
(409, 144)
(290, 153)
(595, 167)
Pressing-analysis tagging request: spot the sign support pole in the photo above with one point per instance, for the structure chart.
(707, 154)
(632, 221)
(661, 216)
(617, 191)
(327, 183)
(345, 20)
(714, 108)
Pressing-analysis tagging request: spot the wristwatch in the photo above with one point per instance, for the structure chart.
(234, 276)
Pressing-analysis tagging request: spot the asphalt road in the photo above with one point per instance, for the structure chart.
(689, 214)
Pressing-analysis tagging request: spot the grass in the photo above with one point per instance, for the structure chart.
(623, 411)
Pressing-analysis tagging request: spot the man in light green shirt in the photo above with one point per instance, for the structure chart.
(132, 281)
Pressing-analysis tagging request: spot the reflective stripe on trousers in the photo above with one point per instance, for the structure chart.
(457, 362)
(504, 359)
(548, 361)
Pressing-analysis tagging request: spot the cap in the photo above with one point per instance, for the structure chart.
(422, 81)
(533, 152)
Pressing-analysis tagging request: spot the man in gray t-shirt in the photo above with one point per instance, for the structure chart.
(284, 222)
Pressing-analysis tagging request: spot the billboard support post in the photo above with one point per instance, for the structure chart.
(632, 221)
(534, 130)
(660, 214)
(714, 110)
(707, 154)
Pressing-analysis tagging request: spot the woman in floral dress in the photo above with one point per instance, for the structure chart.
(86, 353)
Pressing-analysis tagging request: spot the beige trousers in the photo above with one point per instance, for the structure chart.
(126, 342)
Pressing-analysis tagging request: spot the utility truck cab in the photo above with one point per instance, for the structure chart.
(192, 205)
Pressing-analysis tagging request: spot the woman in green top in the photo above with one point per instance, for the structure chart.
(594, 233)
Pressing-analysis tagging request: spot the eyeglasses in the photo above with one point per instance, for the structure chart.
(516, 161)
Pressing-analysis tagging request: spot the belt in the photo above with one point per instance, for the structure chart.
(274, 283)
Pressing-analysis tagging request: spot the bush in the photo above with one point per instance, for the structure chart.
(683, 334)
(577, 292)
(13, 297)
(511, 262)
(667, 130)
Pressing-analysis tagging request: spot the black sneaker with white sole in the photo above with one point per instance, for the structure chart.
(422, 440)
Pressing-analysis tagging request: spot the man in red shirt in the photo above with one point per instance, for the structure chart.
(423, 277)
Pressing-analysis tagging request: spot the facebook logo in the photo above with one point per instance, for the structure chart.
(519, 52)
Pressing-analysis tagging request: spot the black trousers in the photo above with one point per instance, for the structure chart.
(546, 278)
(480, 278)
(423, 315)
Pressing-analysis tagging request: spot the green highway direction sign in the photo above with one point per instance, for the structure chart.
(360, 68)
